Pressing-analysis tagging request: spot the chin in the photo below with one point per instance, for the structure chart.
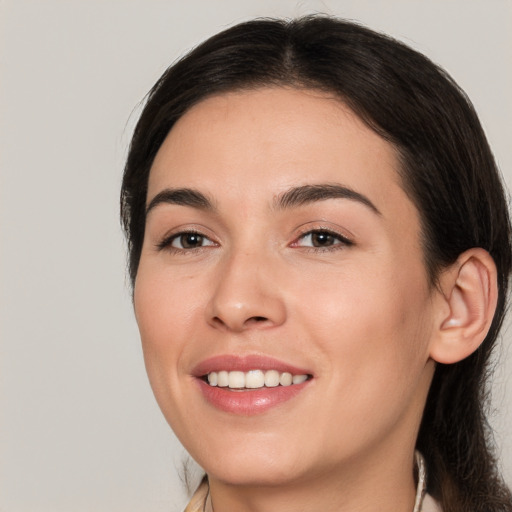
(254, 474)
(246, 466)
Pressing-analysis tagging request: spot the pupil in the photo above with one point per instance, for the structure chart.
(191, 240)
(322, 239)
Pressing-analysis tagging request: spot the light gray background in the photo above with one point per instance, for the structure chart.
(79, 428)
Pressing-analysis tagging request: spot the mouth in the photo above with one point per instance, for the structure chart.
(251, 384)
(253, 379)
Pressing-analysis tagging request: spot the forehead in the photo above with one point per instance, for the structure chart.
(268, 140)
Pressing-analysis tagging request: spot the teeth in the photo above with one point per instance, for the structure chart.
(223, 379)
(213, 378)
(253, 379)
(271, 378)
(286, 379)
(299, 379)
(236, 380)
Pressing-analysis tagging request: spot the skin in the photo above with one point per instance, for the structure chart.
(360, 316)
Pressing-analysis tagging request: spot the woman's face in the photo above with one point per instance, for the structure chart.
(279, 247)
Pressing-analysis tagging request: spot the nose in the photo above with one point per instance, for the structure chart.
(246, 295)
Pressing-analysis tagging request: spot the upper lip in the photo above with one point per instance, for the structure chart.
(231, 362)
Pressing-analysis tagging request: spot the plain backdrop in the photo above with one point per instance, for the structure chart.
(79, 428)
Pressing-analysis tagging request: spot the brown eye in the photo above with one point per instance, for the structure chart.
(322, 239)
(190, 240)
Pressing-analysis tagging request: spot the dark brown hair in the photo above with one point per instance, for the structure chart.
(447, 169)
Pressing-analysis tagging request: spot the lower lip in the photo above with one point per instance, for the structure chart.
(249, 402)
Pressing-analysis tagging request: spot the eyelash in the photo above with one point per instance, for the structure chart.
(167, 242)
(343, 242)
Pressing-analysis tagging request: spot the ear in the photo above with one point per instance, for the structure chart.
(469, 295)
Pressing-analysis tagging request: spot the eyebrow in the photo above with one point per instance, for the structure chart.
(299, 196)
(296, 196)
(181, 197)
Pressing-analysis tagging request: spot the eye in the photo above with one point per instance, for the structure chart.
(321, 238)
(186, 241)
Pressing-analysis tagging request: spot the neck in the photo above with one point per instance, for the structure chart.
(383, 484)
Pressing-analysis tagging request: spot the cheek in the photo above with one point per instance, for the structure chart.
(375, 328)
(376, 355)
(164, 304)
(164, 309)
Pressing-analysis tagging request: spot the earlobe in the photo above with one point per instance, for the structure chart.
(470, 294)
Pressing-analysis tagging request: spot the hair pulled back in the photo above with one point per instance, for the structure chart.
(447, 169)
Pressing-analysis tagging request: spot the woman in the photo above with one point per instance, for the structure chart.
(320, 251)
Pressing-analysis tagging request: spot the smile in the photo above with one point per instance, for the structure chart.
(250, 384)
(253, 379)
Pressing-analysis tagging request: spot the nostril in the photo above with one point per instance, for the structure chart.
(257, 319)
(249, 321)
(217, 321)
